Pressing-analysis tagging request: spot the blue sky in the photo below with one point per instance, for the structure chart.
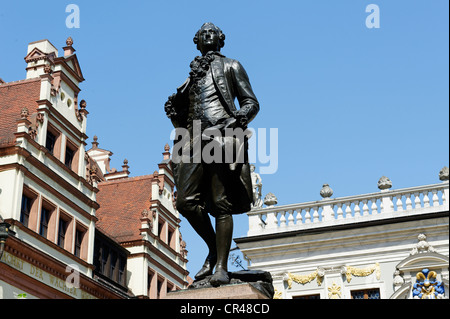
(351, 104)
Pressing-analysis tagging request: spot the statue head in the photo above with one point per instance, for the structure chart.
(209, 38)
(252, 168)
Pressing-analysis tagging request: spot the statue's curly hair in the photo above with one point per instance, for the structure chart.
(221, 34)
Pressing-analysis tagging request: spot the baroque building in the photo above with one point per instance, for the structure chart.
(63, 229)
(391, 244)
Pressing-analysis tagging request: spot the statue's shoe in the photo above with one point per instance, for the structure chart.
(220, 277)
(207, 268)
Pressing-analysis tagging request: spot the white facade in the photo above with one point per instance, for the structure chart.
(336, 248)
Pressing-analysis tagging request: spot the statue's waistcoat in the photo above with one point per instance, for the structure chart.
(205, 102)
(221, 80)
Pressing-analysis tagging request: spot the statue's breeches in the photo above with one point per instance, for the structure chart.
(213, 187)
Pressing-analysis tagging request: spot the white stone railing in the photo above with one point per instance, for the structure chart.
(352, 209)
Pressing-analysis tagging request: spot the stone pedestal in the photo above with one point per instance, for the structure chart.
(235, 291)
(246, 284)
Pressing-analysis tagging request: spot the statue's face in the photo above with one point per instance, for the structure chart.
(208, 39)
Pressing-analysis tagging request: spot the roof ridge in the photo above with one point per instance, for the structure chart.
(19, 82)
(125, 180)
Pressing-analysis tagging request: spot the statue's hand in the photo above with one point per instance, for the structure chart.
(241, 117)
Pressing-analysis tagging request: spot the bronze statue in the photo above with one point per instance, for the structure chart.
(219, 188)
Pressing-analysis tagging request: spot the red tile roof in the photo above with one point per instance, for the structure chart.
(121, 204)
(14, 96)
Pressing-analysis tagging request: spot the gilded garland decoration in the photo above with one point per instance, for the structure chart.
(318, 274)
(362, 272)
(304, 279)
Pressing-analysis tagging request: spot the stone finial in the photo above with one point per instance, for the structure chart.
(326, 191)
(166, 153)
(95, 143)
(384, 183)
(83, 110)
(443, 174)
(270, 200)
(24, 113)
(69, 41)
(24, 124)
(69, 50)
(144, 214)
(146, 219)
(125, 166)
(422, 246)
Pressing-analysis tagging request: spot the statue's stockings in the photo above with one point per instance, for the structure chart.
(218, 243)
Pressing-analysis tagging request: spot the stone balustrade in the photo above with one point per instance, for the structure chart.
(327, 212)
